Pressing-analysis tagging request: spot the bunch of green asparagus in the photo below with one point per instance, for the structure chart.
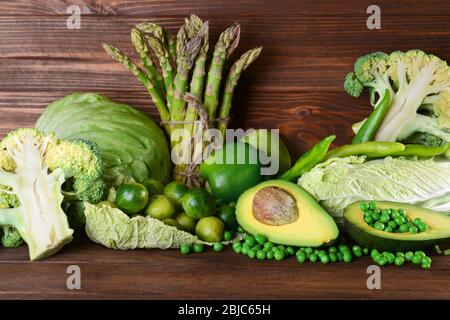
(176, 74)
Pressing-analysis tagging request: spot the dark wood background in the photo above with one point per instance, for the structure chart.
(296, 86)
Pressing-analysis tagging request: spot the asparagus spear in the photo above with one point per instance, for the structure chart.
(186, 57)
(142, 77)
(143, 51)
(198, 76)
(193, 25)
(230, 84)
(182, 38)
(172, 44)
(228, 41)
(162, 52)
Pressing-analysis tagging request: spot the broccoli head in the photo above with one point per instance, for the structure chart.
(420, 93)
(37, 173)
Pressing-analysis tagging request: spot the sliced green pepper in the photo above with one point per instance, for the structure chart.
(371, 149)
(370, 127)
(308, 160)
(421, 151)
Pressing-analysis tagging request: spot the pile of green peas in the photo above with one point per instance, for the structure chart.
(391, 220)
(400, 258)
(198, 247)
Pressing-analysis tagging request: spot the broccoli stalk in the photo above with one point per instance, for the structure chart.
(420, 87)
(38, 166)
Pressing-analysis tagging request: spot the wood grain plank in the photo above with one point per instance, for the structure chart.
(217, 7)
(49, 57)
(167, 275)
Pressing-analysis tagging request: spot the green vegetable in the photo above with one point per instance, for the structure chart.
(363, 234)
(339, 182)
(132, 198)
(37, 173)
(421, 151)
(174, 191)
(186, 222)
(133, 147)
(198, 203)
(307, 161)
(228, 217)
(160, 207)
(371, 149)
(173, 223)
(112, 228)
(218, 246)
(210, 229)
(198, 248)
(231, 170)
(185, 249)
(153, 186)
(10, 237)
(370, 127)
(418, 84)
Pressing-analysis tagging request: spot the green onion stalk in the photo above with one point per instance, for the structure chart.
(187, 90)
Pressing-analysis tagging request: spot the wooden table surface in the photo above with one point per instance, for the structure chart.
(295, 86)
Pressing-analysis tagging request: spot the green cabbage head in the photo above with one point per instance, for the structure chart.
(133, 147)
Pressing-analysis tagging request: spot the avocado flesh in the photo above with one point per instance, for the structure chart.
(365, 235)
(312, 227)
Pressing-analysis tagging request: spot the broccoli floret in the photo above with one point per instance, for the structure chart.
(420, 92)
(34, 167)
(11, 237)
(75, 215)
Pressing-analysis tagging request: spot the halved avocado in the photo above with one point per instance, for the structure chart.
(365, 235)
(286, 214)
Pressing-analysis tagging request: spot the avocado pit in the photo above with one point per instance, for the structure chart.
(274, 206)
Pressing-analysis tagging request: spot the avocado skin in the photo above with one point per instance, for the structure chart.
(406, 242)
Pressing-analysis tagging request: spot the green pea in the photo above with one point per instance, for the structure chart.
(403, 228)
(198, 247)
(400, 254)
(309, 250)
(333, 257)
(339, 256)
(185, 249)
(416, 259)
(399, 261)
(382, 260)
(227, 236)
(256, 247)
(268, 245)
(388, 229)
(372, 205)
(313, 257)
(218, 246)
(392, 224)
(245, 250)
(332, 249)
(394, 213)
(281, 247)
(422, 227)
(386, 212)
(399, 220)
(321, 253)
(402, 212)
(389, 256)
(270, 255)
(366, 251)
(279, 255)
(420, 253)
(250, 241)
(357, 251)
(260, 239)
(347, 257)
(301, 250)
(417, 221)
(301, 257)
(251, 254)
(240, 229)
(413, 229)
(409, 255)
(343, 247)
(426, 260)
(426, 266)
(384, 218)
(290, 250)
(363, 206)
(376, 216)
(324, 259)
(374, 253)
(260, 255)
(378, 225)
